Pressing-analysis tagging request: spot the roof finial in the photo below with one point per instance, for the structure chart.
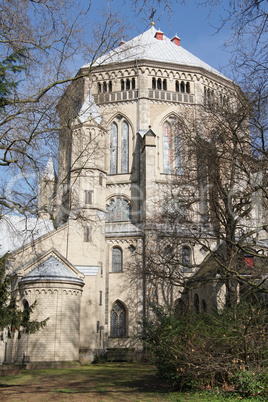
(152, 16)
(152, 24)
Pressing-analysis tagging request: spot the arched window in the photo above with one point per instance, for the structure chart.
(173, 160)
(159, 83)
(178, 150)
(182, 87)
(26, 310)
(118, 320)
(133, 83)
(196, 303)
(99, 87)
(113, 148)
(128, 84)
(203, 306)
(119, 147)
(164, 84)
(177, 86)
(116, 259)
(186, 258)
(124, 148)
(110, 86)
(188, 87)
(118, 210)
(104, 87)
(153, 83)
(167, 149)
(122, 85)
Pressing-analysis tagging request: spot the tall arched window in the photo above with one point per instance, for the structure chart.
(178, 150)
(117, 259)
(167, 157)
(113, 148)
(124, 147)
(118, 320)
(119, 147)
(196, 303)
(186, 258)
(203, 306)
(172, 148)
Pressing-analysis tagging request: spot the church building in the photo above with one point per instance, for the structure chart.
(121, 145)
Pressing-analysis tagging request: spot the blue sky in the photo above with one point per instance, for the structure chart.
(190, 22)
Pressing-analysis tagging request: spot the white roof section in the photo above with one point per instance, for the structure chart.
(147, 47)
(88, 270)
(89, 110)
(17, 231)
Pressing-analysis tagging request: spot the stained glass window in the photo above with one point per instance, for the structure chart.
(178, 151)
(118, 320)
(116, 259)
(167, 149)
(113, 148)
(118, 210)
(124, 147)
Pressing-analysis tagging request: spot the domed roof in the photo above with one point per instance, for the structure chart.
(51, 269)
(147, 47)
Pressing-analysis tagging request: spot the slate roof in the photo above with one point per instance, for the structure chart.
(147, 47)
(51, 269)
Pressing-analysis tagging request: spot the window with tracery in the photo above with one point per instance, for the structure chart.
(117, 259)
(124, 147)
(118, 320)
(113, 148)
(119, 148)
(172, 148)
(118, 210)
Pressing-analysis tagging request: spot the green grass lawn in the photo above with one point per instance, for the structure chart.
(100, 382)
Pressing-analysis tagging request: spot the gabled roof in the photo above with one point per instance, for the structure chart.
(147, 47)
(51, 269)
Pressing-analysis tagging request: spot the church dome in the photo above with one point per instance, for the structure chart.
(153, 45)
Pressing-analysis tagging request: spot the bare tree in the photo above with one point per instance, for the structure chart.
(214, 207)
(39, 42)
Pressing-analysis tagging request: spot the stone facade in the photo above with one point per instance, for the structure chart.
(116, 163)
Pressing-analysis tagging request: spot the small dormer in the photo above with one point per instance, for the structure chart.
(159, 35)
(176, 40)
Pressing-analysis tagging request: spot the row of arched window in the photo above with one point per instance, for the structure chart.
(197, 304)
(118, 327)
(105, 86)
(211, 98)
(180, 86)
(127, 84)
(173, 161)
(117, 259)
